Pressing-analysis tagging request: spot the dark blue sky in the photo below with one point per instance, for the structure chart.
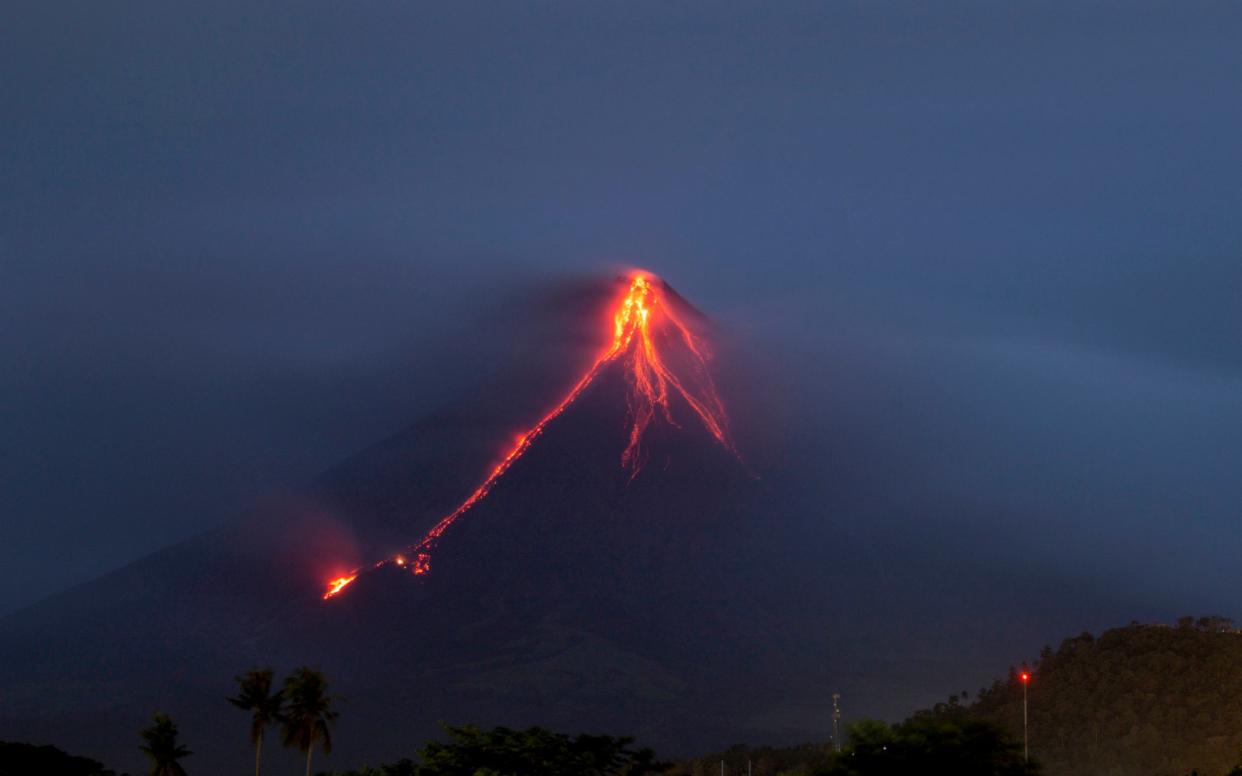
(239, 242)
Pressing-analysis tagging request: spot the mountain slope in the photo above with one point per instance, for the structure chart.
(1143, 699)
(587, 589)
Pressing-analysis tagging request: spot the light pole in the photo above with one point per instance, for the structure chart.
(1025, 676)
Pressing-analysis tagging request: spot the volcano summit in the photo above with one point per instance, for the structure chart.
(664, 362)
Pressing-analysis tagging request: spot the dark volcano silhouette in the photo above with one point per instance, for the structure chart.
(690, 604)
(579, 593)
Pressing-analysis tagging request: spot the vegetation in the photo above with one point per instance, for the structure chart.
(1149, 700)
(532, 752)
(28, 759)
(255, 695)
(161, 747)
(1155, 700)
(308, 715)
(762, 761)
(928, 745)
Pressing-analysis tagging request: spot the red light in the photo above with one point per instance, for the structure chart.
(1025, 677)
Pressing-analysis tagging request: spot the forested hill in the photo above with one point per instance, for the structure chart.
(1143, 700)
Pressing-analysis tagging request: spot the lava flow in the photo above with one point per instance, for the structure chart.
(642, 321)
(338, 584)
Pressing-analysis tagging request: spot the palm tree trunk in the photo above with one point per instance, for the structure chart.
(258, 756)
(309, 751)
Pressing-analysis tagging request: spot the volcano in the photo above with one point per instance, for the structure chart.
(580, 542)
(605, 571)
(664, 364)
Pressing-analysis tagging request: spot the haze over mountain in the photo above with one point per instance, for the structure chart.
(996, 246)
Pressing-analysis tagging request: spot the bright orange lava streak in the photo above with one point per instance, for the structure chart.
(651, 382)
(339, 584)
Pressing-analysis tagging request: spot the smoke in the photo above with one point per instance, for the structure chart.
(1040, 462)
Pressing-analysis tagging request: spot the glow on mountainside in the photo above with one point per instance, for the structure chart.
(338, 584)
(640, 320)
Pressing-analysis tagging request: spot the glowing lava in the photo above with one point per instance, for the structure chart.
(339, 584)
(642, 323)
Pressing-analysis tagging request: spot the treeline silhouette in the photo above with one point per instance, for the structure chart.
(301, 707)
(1142, 700)
(303, 711)
(29, 759)
(535, 751)
(923, 745)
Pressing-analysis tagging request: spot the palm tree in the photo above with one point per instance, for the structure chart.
(254, 694)
(308, 713)
(162, 748)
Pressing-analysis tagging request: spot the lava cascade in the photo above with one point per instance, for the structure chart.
(643, 322)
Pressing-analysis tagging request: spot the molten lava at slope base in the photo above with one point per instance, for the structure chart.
(643, 322)
(339, 584)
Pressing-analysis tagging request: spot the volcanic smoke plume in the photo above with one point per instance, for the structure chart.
(665, 364)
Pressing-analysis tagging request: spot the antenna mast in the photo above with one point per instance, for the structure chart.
(836, 721)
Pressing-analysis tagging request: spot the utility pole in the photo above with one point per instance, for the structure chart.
(836, 721)
(1025, 676)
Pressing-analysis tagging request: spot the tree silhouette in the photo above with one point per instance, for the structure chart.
(254, 694)
(929, 744)
(532, 752)
(21, 759)
(308, 712)
(161, 747)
